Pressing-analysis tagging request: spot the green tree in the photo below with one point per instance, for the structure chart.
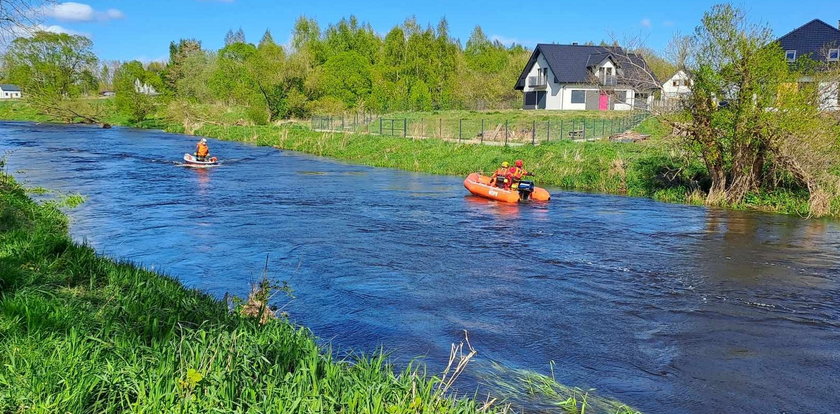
(54, 65)
(133, 103)
(745, 119)
(347, 76)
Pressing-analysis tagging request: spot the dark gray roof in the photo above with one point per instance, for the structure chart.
(811, 38)
(571, 63)
(9, 87)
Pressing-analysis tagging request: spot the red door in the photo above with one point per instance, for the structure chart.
(603, 102)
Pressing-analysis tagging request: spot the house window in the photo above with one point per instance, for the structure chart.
(833, 55)
(621, 96)
(578, 97)
(676, 83)
(530, 98)
(790, 55)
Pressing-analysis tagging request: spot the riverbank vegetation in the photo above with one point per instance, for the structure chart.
(745, 139)
(81, 333)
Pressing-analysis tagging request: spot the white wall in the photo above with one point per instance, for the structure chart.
(552, 91)
(9, 94)
(669, 91)
(559, 96)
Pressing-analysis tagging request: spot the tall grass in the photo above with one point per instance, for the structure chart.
(81, 333)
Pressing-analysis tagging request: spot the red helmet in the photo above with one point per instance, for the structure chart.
(518, 163)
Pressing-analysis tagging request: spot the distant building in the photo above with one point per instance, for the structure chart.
(9, 91)
(676, 87)
(820, 42)
(144, 88)
(583, 77)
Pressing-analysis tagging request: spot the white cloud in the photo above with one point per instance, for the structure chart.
(79, 12)
(646, 23)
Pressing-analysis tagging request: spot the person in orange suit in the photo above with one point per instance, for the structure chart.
(517, 172)
(201, 150)
(500, 177)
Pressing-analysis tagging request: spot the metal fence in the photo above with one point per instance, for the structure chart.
(486, 130)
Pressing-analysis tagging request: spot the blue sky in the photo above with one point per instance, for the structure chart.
(142, 29)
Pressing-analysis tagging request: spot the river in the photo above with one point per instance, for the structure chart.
(668, 308)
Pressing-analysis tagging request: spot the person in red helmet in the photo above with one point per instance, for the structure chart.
(517, 172)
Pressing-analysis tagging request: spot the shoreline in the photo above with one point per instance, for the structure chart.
(655, 169)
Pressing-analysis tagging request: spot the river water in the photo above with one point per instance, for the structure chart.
(669, 308)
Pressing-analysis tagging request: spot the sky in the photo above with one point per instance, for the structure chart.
(142, 29)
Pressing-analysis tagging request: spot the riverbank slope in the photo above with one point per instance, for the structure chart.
(657, 168)
(82, 333)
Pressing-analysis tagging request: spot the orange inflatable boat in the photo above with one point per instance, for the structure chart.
(480, 185)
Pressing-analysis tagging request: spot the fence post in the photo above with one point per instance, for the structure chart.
(460, 123)
(561, 129)
(482, 130)
(392, 128)
(405, 127)
(547, 131)
(342, 122)
(440, 128)
(533, 131)
(584, 129)
(506, 132)
(380, 126)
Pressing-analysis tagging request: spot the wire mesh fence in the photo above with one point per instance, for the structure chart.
(492, 131)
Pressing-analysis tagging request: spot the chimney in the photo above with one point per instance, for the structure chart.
(574, 44)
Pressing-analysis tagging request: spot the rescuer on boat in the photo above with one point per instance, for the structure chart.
(517, 172)
(501, 177)
(202, 150)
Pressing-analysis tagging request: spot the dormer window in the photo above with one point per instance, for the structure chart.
(790, 55)
(833, 55)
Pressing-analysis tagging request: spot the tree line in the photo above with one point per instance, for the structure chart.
(345, 66)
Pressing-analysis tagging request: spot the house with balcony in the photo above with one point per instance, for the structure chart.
(817, 43)
(583, 77)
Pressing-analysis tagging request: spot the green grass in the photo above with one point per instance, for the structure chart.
(656, 168)
(514, 126)
(602, 166)
(81, 333)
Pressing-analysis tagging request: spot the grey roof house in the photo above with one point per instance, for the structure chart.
(816, 40)
(583, 77)
(820, 42)
(9, 91)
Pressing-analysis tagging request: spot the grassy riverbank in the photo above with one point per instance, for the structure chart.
(657, 168)
(81, 333)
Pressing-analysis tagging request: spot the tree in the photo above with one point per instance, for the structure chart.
(232, 37)
(18, 16)
(129, 100)
(179, 55)
(267, 39)
(745, 119)
(53, 64)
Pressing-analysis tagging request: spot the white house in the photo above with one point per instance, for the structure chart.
(144, 88)
(676, 87)
(582, 77)
(820, 42)
(8, 91)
